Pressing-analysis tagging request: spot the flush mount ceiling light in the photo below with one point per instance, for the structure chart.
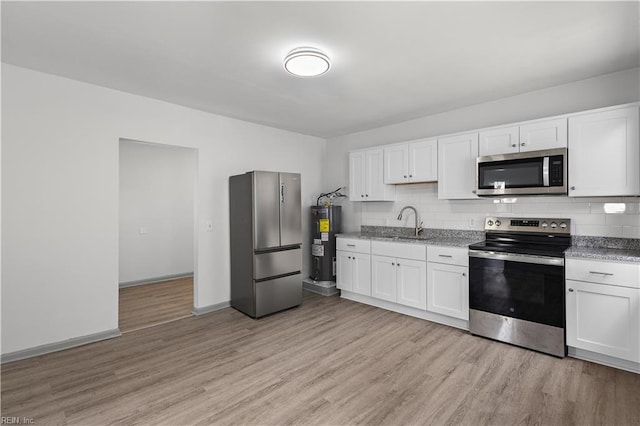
(307, 62)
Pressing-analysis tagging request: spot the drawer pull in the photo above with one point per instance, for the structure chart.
(600, 273)
(351, 245)
(571, 290)
(464, 274)
(444, 255)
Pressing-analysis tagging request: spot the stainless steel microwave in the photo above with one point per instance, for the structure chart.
(523, 173)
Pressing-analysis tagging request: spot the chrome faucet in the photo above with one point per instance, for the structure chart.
(418, 228)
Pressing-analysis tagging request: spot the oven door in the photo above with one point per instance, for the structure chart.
(526, 287)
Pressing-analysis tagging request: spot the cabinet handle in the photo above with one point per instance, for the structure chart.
(405, 176)
(393, 264)
(398, 264)
(362, 195)
(474, 191)
(351, 245)
(464, 275)
(366, 195)
(571, 290)
(573, 188)
(522, 144)
(348, 257)
(601, 273)
(410, 175)
(513, 145)
(444, 255)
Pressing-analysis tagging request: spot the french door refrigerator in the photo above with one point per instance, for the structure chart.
(265, 210)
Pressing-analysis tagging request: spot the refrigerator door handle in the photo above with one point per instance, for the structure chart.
(282, 193)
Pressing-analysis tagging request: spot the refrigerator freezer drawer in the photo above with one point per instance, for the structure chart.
(277, 263)
(276, 295)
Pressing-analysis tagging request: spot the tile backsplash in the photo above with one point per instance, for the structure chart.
(602, 216)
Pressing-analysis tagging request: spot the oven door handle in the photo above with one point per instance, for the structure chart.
(515, 257)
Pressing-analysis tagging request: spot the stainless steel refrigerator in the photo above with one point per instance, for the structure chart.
(265, 210)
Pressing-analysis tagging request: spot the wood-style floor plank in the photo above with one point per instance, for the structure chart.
(329, 362)
(151, 304)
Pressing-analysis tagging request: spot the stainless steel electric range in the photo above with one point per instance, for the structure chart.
(516, 283)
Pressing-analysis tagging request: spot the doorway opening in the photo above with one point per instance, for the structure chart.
(157, 234)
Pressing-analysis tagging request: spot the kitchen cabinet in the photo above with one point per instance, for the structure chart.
(353, 265)
(533, 136)
(399, 273)
(457, 166)
(604, 153)
(503, 140)
(448, 281)
(543, 134)
(411, 162)
(603, 308)
(366, 176)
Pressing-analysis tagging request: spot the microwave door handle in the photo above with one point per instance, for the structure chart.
(545, 171)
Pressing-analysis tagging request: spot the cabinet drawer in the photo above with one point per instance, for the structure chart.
(449, 255)
(401, 250)
(602, 272)
(353, 244)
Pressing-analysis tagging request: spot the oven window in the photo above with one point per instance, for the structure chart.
(526, 291)
(523, 173)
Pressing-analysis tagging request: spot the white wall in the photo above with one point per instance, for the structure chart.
(587, 214)
(157, 185)
(60, 197)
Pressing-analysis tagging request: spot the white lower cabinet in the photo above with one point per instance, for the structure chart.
(353, 264)
(399, 280)
(448, 290)
(448, 281)
(603, 316)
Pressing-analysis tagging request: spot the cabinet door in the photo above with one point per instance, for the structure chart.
(383, 277)
(499, 141)
(361, 273)
(373, 182)
(548, 134)
(423, 161)
(448, 290)
(604, 153)
(412, 283)
(604, 319)
(396, 164)
(345, 271)
(357, 164)
(457, 166)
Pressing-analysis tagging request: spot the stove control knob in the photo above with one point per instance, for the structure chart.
(544, 224)
(490, 222)
(563, 225)
(498, 223)
(554, 225)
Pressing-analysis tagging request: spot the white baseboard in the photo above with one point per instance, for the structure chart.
(406, 310)
(610, 361)
(155, 280)
(211, 308)
(59, 346)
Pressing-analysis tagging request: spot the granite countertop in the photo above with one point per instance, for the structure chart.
(435, 237)
(583, 247)
(603, 253)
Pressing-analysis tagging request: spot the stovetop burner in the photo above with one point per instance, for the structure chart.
(539, 237)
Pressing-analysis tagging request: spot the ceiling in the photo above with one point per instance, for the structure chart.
(392, 61)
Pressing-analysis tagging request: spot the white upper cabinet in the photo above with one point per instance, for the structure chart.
(366, 177)
(534, 136)
(457, 166)
(604, 153)
(411, 162)
(543, 134)
(499, 141)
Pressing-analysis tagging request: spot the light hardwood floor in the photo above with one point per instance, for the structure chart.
(150, 304)
(330, 361)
